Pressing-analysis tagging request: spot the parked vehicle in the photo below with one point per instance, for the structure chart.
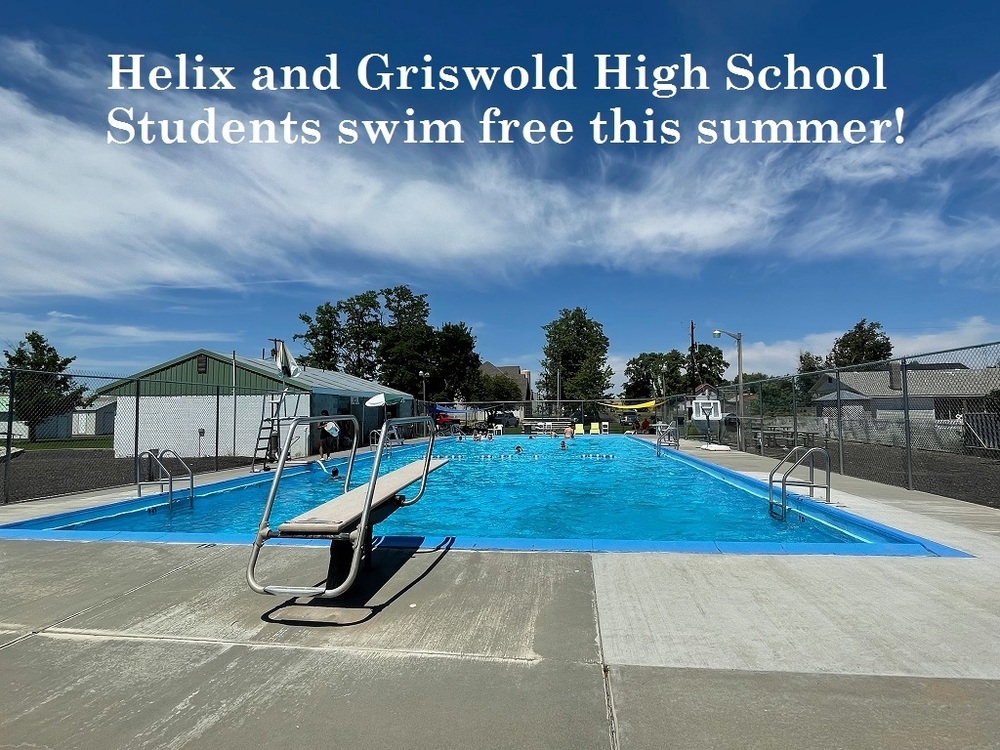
(584, 417)
(506, 418)
(629, 418)
(443, 419)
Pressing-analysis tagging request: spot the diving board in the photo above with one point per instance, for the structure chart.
(344, 511)
(347, 519)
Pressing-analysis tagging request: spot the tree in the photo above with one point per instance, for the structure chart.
(384, 335)
(41, 387)
(808, 363)
(864, 343)
(654, 374)
(499, 388)
(710, 364)
(575, 358)
(455, 370)
(407, 341)
(323, 337)
(774, 394)
(345, 336)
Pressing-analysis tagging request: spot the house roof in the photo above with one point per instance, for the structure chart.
(845, 395)
(320, 381)
(939, 383)
(311, 379)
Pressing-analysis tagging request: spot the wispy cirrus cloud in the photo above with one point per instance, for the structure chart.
(114, 219)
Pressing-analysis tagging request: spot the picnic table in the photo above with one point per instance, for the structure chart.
(783, 437)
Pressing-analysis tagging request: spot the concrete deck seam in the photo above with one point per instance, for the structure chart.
(83, 634)
(609, 698)
(131, 591)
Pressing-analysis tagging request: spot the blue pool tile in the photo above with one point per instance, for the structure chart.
(751, 548)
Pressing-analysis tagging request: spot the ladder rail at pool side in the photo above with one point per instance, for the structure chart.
(782, 506)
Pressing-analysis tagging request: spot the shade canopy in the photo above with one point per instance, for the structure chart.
(381, 399)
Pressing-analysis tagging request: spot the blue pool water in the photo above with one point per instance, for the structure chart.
(599, 488)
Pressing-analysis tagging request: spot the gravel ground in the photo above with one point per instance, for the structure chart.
(972, 478)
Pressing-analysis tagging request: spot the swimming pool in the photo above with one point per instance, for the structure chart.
(600, 493)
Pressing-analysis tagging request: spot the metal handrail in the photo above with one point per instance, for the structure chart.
(279, 470)
(785, 482)
(264, 532)
(666, 435)
(164, 470)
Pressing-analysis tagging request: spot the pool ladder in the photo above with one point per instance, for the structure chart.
(779, 509)
(163, 474)
(666, 436)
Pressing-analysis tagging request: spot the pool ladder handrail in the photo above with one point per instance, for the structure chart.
(361, 536)
(786, 482)
(667, 436)
(163, 470)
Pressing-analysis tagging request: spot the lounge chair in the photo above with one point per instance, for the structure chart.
(595, 428)
(578, 429)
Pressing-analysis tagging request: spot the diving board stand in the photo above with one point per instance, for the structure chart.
(347, 519)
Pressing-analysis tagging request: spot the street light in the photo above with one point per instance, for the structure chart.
(423, 377)
(717, 333)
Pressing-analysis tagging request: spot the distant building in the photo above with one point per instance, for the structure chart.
(190, 402)
(932, 392)
(520, 377)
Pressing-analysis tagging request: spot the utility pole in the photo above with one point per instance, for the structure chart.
(694, 363)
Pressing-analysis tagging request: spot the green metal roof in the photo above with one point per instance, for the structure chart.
(180, 376)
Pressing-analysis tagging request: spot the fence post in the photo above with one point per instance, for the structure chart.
(10, 439)
(135, 437)
(218, 403)
(840, 422)
(906, 427)
(795, 411)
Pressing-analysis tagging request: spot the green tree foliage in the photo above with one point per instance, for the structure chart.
(41, 387)
(345, 336)
(654, 374)
(710, 365)
(864, 343)
(455, 371)
(575, 357)
(499, 388)
(772, 395)
(322, 337)
(808, 363)
(384, 336)
(406, 339)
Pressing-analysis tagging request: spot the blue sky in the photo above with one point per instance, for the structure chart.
(128, 255)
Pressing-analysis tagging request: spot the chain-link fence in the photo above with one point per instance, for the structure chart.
(928, 422)
(62, 433)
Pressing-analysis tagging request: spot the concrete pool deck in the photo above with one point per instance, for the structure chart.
(140, 645)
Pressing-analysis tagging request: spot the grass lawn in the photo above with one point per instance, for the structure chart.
(84, 441)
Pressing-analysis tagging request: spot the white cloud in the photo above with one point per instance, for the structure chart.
(73, 335)
(782, 357)
(115, 219)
